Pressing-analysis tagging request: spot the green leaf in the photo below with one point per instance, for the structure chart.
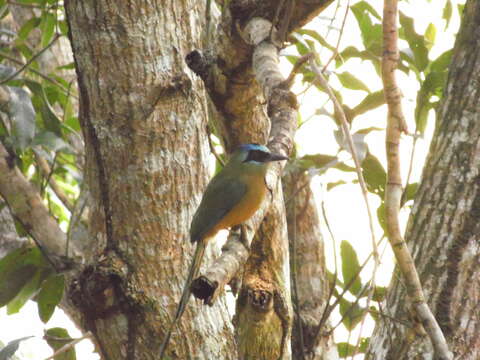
(433, 85)
(410, 191)
(318, 37)
(353, 52)
(352, 313)
(331, 185)
(57, 338)
(365, 7)
(300, 44)
(322, 161)
(348, 80)
(14, 281)
(379, 293)
(316, 161)
(28, 291)
(63, 26)
(447, 13)
(69, 66)
(369, 130)
(442, 62)
(371, 33)
(50, 119)
(292, 59)
(8, 351)
(369, 102)
(48, 28)
(429, 36)
(374, 174)
(415, 41)
(27, 27)
(49, 296)
(17, 268)
(350, 267)
(381, 216)
(345, 349)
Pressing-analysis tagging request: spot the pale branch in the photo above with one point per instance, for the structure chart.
(210, 285)
(393, 194)
(335, 52)
(281, 102)
(282, 110)
(27, 207)
(348, 136)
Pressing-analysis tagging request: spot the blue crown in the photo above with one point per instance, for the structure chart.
(248, 147)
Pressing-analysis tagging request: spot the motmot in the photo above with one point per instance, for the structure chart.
(231, 197)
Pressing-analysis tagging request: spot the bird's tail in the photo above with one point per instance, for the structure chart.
(182, 305)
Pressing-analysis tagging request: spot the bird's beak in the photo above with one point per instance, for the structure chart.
(277, 157)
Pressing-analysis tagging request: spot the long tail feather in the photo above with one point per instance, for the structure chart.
(182, 305)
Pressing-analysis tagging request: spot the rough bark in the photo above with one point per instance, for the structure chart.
(310, 290)
(143, 118)
(443, 233)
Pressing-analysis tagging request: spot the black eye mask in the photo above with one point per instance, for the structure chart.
(257, 155)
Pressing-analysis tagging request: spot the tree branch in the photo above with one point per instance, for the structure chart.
(393, 194)
(47, 173)
(282, 105)
(26, 205)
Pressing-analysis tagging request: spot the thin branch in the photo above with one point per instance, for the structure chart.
(68, 346)
(47, 173)
(30, 61)
(335, 53)
(393, 194)
(296, 68)
(330, 25)
(350, 308)
(330, 308)
(39, 73)
(346, 132)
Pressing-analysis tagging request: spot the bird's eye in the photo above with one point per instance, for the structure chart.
(257, 155)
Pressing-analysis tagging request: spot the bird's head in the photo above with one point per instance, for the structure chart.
(255, 155)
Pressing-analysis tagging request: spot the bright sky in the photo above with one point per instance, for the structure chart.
(344, 204)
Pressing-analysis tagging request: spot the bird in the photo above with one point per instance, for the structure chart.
(232, 196)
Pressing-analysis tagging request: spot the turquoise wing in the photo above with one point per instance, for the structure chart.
(221, 196)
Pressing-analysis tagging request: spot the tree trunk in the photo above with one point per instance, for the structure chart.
(143, 116)
(310, 289)
(444, 231)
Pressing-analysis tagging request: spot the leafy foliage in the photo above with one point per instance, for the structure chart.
(39, 127)
(56, 339)
(8, 351)
(421, 62)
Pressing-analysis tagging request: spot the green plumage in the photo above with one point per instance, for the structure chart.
(223, 192)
